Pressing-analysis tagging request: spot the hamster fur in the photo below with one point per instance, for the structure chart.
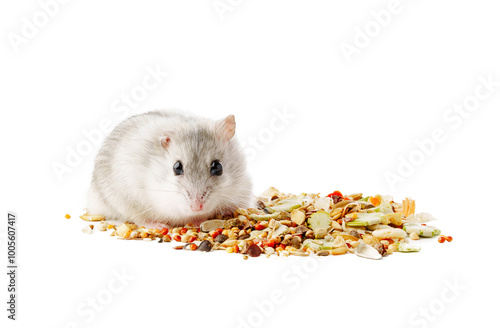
(134, 179)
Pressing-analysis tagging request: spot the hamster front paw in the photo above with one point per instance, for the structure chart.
(156, 225)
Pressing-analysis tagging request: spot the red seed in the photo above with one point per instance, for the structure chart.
(193, 247)
(335, 193)
(424, 224)
(259, 226)
(219, 231)
(191, 239)
(214, 234)
(177, 237)
(269, 243)
(164, 231)
(183, 231)
(441, 239)
(236, 249)
(449, 238)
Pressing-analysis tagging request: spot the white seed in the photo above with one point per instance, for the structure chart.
(269, 250)
(87, 229)
(354, 244)
(284, 253)
(392, 248)
(102, 226)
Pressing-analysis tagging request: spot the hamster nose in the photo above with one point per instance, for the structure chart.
(197, 205)
(198, 201)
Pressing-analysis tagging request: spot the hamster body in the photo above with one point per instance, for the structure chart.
(169, 168)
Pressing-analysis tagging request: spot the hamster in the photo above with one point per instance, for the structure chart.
(168, 168)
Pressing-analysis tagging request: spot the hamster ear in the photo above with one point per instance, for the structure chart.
(165, 140)
(226, 128)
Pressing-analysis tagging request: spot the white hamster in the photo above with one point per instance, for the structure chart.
(169, 168)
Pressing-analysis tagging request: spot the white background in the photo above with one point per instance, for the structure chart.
(355, 118)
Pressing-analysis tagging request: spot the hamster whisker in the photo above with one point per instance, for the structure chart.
(221, 208)
(224, 194)
(149, 209)
(231, 198)
(184, 186)
(161, 190)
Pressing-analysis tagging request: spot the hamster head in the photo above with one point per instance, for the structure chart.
(199, 171)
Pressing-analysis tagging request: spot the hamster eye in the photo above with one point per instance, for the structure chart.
(216, 168)
(178, 169)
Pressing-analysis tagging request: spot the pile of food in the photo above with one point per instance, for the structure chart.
(301, 225)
